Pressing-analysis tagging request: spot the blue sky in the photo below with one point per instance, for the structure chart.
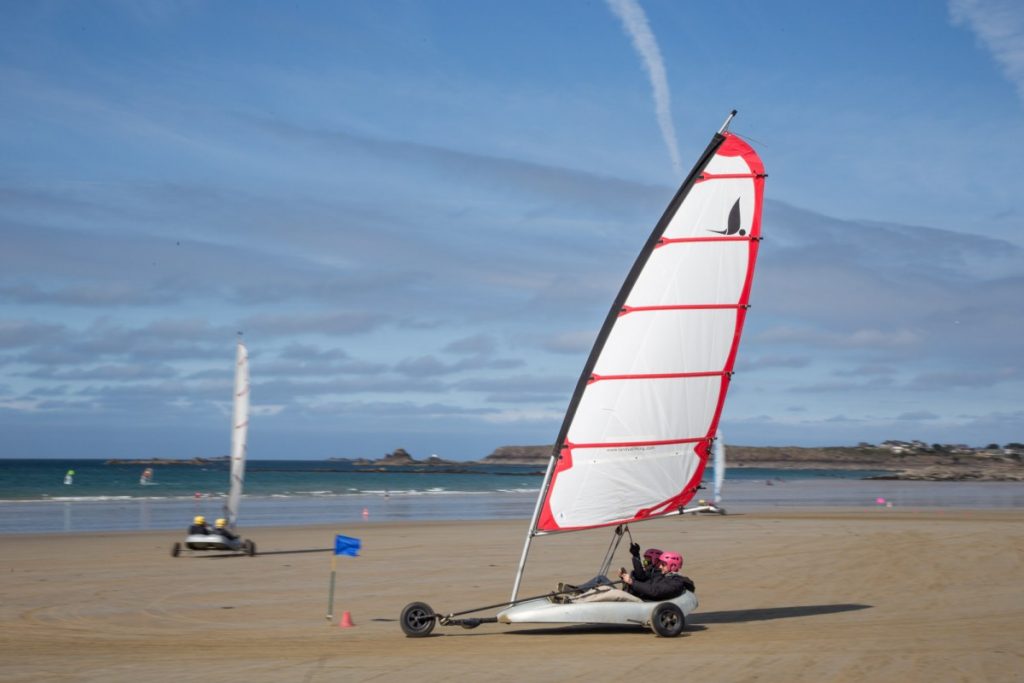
(419, 213)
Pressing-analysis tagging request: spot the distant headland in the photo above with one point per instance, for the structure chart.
(905, 460)
(169, 461)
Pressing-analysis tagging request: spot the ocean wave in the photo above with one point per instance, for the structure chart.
(86, 499)
(314, 494)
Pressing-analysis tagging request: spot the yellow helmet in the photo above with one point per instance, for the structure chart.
(221, 523)
(199, 520)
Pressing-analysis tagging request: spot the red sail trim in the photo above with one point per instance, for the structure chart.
(679, 307)
(659, 375)
(546, 520)
(732, 147)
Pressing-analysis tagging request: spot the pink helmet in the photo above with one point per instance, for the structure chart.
(651, 556)
(673, 561)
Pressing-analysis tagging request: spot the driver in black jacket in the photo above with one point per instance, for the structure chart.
(663, 583)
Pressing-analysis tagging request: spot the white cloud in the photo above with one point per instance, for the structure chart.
(999, 25)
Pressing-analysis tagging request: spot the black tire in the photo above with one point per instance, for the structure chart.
(667, 620)
(417, 620)
(249, 547)
(175, 550)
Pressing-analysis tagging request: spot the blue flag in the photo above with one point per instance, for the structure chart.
(345, 545)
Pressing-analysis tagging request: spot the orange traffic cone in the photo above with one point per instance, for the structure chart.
(346, 620)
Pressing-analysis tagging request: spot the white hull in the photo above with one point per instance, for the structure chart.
(211, 542)
(204, 542)
(544, 611)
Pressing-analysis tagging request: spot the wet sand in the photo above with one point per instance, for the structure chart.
(786, 595)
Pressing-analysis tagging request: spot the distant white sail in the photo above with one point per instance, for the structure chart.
(718, 461)
(239, 433)
(638, 431)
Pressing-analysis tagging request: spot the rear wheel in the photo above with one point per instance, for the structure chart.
(175, 550)
(667, 620)
(417, 620)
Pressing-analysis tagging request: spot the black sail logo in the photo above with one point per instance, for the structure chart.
(733, 226)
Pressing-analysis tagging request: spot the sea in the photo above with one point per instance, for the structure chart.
(34, 497)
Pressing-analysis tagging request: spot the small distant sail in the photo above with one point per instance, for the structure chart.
(239, 434)
(69, 478)
(718, 461)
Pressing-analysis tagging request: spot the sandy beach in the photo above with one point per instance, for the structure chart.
(788, 595)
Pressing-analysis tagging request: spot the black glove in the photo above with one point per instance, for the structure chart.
(634, 549)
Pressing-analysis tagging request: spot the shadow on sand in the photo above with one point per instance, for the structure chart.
(222, 555)
(695, 622)
(738, 616)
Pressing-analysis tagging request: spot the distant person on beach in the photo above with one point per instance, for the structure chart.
(199, 526)
(220, 527)
(663, 584)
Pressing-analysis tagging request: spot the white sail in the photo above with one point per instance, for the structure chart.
(239, 432)
(638, 431)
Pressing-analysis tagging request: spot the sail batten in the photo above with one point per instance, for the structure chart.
(638, 430)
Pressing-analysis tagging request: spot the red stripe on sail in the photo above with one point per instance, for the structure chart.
(684, 240)
(679, 307)
(660, 375)
(704, 177)
(625, 444)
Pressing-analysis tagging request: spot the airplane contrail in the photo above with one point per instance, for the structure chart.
(635, 22)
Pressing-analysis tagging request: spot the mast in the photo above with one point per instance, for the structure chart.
(533, 526)
(239, 432)
(637, 367)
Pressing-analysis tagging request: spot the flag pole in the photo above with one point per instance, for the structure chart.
(330, 598)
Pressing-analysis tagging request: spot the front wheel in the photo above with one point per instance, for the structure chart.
(249, 547)
(175, 550)
(417, 620)
(667, 620)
